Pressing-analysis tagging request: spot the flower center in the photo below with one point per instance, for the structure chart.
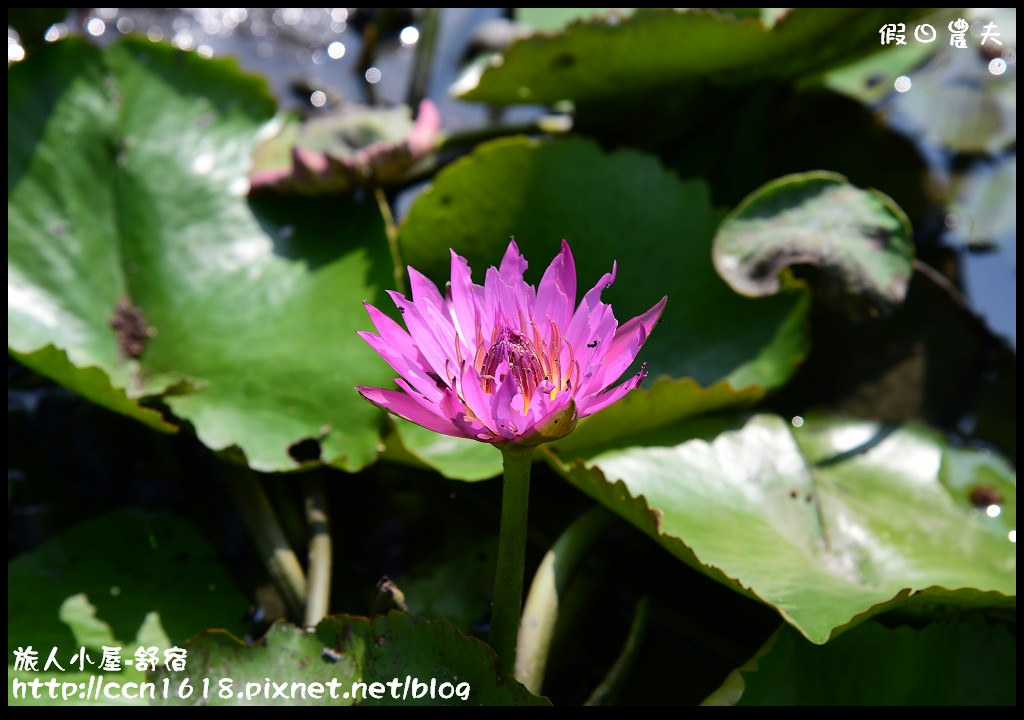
(532, 363)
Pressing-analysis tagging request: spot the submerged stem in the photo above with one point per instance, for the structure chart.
(508, 580)
(318, 594)
(275, 552)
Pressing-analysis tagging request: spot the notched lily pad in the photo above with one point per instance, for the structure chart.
(829, 524)
(136, 256)
(340, 151)
(859, 241)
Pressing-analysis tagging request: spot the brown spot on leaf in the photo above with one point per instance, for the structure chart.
(658, 517)
(982, 496)
(382, 640)
(129, 325)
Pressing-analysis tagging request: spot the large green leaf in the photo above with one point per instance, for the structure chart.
(622, 206)
(134, 250)
(971, 662)
(859, 239)
(668, 51)
(828, 523)
(441, 664)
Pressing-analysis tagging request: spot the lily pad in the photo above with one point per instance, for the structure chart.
(829, 523)
(860, 240)
(381, 653)
(970, 662)
(655, 50)
(134, 251)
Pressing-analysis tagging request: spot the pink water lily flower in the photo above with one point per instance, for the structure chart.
(506, 362)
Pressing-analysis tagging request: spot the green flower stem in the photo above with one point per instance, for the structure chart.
(508, 580)
(318, 590)
(391, 231)
(552, 578)
(271, 544)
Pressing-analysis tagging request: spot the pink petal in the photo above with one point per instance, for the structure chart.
(576, 333)
(556, 295)
(465, 307)
(412, 372)
(392, 333)
(403, 405)
(424, 292)
(647, 321)
(600, 402)
(625, 346)
(513, 264)
(476, 399)
(509, 424)
(434, 349)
